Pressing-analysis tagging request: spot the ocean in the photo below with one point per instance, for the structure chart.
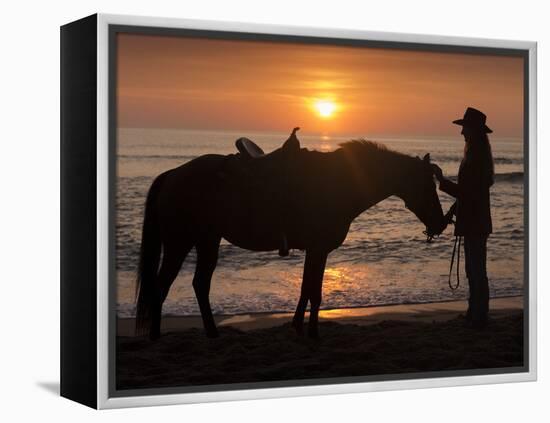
(384, 260)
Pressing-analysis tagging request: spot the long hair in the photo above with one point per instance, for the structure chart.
(477, 152)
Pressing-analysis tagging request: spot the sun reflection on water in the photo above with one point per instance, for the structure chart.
(335, 272)
(339, 279)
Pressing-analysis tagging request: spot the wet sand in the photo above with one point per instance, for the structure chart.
(427, 312)
(354, 342)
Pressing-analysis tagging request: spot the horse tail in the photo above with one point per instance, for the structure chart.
(149, 259)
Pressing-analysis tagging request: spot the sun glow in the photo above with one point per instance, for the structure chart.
(325, 108)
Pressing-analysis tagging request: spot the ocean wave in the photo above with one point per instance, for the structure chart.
(500, 177)
(454, 158)
(156, 157)
(509, 177)
(507, 160)
(239, 305)
(137, 182)
(442, 158)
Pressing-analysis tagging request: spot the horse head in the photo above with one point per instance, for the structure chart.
(420, 196)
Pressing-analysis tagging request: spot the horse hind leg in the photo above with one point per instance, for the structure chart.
(207, 259)
(172, 260)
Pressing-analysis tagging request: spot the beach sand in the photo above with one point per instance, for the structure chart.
(354, 342)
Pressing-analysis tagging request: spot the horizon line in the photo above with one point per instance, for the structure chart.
(350, 135)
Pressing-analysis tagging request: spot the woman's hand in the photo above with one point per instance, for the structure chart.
(438, 173)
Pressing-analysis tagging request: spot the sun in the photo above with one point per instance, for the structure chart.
(325, 108)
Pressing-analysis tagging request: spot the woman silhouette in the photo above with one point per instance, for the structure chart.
(473, 209)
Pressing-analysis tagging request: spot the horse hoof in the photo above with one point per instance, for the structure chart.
(313, 334)
(212, 333)
(298, 327)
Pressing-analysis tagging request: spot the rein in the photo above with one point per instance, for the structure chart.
(458, 240)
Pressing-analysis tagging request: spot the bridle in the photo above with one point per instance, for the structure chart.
(429, 236)
(456, 252)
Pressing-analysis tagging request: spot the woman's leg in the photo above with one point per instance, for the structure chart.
(475, 251)
(484, 281)
(468, 264)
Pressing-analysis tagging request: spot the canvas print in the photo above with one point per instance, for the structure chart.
(294, 212)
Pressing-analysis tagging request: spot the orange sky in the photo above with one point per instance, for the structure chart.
(178, 82)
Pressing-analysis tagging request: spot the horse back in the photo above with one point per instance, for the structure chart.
(253, 203)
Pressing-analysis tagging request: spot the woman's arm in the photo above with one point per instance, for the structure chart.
(445, 184)
(450, 187)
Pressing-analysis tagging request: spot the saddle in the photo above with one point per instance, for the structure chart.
(252, 156)
(250, 150)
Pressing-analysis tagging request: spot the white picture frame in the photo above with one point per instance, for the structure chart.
(100, 362)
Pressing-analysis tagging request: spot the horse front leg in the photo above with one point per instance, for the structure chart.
(312, 283)
(298, 320)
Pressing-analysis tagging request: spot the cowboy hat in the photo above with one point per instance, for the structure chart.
(473, 118)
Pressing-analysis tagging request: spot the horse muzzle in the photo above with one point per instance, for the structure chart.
(432, 233)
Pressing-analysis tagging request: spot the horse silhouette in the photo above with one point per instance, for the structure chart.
(309, 198)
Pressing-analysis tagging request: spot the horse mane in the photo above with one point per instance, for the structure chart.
(373, 151)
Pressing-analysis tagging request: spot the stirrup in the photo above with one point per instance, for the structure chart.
(283, 249)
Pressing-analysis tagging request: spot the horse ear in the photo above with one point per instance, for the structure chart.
(427, 158)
